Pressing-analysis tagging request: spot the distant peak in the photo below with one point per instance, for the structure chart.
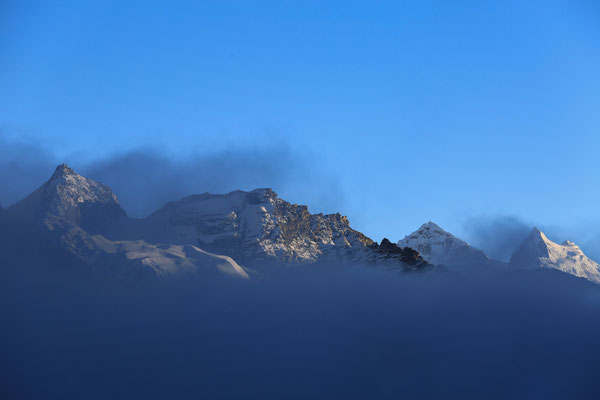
(63, 170)
(536, 233)
(386, 242)
(431, 228)
(430, 225)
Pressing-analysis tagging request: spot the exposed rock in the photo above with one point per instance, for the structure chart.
(259, 227)
(391, 251)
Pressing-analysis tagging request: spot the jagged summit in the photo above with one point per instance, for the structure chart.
(431, 229)
(536, 232)
(429, 225)
(537, 251)
(62, 170)
(74, 188)
(437, 246)
(389, 250)
(68, 199)
(262, 194)
(258, 225)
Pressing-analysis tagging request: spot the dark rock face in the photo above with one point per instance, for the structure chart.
(406, 255)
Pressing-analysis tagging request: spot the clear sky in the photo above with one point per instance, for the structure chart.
(415, 111)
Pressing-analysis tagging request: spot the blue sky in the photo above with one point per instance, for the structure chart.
(414, 111)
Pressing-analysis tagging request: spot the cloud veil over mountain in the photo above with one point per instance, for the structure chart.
(230, 200)
(230, 286)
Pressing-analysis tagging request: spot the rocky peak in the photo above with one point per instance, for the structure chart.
(388, 250)
(429, 226)
(62, 171)
(68, 199)
(437, 246)
(427, 232)
(261, 196)
(536, 234)
(389, 247)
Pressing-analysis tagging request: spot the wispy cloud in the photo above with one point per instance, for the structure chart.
(24, 164)
(499, 236)
(146, 178)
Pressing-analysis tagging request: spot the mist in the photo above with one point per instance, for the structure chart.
(498, 236)
(24, 164)
(316, 332)
(146, 178)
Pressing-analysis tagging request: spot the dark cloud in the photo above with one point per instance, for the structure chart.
(314, 333)
(145, 179)
(497, 236)
(24, 164)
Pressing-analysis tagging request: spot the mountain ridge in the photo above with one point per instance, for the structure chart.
(83, 220)
(258, 225)
(79, 221)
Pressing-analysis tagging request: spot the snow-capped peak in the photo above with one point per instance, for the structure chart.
(429, 225)
(74, 188)
(437, 246)
(537, 251)
(69, 199)
(61, 171)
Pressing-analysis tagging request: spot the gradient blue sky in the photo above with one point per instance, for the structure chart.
(428, 110)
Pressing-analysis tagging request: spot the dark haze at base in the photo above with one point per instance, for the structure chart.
(326, 332)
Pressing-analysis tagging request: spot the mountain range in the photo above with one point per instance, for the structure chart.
(439, 247)
(75, 223)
